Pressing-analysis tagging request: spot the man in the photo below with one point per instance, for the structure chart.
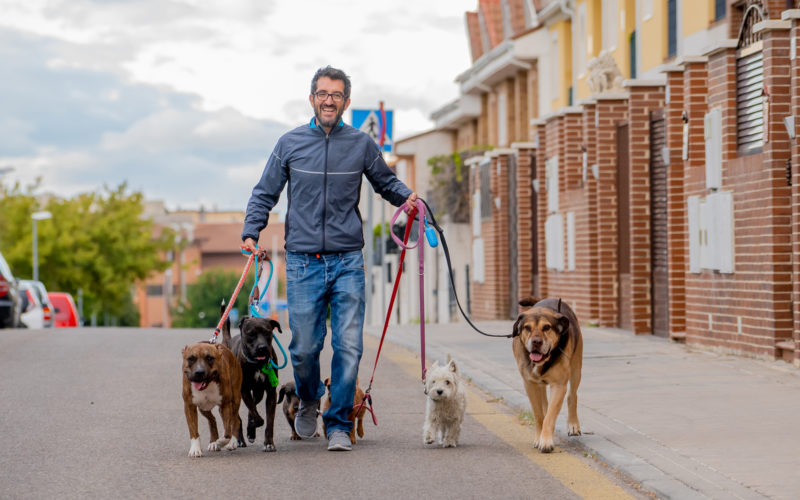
(323, 162)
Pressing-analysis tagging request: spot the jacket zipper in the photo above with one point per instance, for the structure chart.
(325, 194)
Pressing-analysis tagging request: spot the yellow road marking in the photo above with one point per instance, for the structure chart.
(571, 471)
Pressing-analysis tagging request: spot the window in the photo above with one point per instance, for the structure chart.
(155, 290)
(610, 13)
(750, 100)
(719, 9)
(672, 28)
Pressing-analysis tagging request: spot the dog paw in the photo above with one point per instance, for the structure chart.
(220, 444)
(573, 429)
(295, 437)
(194, 448)
(213, 446)
(449, 444)
(232, 444)
(546, 445)
(241, 444)
(269, 448)
(427, 438)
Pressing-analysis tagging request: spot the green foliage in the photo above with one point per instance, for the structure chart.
(450, 182)
(97, 242)
(203, 298)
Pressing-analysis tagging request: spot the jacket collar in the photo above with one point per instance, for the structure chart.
(313, 123)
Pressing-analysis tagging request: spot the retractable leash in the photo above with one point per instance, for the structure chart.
(255, 311)
(450, 274)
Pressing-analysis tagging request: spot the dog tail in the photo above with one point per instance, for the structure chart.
(226, 326)
(528, 301)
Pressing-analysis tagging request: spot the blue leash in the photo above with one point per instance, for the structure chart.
(254, 309)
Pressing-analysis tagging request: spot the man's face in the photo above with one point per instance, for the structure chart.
(328, 111)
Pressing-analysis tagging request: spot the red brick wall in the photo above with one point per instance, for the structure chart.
(474, 34)
(541, 212)
(525, 224)
(677, 243)
(589, 233)
(490, 299)
(610, 113)
(795, 151)
(642, 101)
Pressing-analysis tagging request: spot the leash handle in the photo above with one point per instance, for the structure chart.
(235, 293)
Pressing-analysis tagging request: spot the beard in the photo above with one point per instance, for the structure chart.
(328, 123)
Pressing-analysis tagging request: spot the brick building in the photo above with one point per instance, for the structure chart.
(641, 166)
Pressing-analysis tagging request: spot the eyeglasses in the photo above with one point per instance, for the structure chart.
(323, 96)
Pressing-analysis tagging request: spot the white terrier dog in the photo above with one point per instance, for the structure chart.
(447, 402)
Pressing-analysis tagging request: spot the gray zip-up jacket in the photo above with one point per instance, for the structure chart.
(324, 176)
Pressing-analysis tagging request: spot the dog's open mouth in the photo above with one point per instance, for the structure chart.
(199, 386)
(536, 356)
(261, 358)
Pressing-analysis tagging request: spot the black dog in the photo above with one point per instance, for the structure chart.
(291, 402)
(253, 348)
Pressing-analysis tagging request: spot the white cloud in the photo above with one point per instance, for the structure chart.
(184, 99)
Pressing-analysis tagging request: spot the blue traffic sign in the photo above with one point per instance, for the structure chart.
(369, 122)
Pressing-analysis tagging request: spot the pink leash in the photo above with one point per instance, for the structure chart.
(233, 297)
(421, 224)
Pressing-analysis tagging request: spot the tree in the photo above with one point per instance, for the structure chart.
(202, 306)
(96, 242)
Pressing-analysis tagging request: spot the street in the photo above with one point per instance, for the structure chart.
(97, 413)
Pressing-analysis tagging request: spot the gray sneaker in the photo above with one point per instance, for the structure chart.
(305, 422)
(339, 441)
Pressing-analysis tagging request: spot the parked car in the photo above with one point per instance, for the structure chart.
(32, 311)
(66, 312)
(10, 297)
(38, 288)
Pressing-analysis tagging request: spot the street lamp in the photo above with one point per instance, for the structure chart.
(37, 216)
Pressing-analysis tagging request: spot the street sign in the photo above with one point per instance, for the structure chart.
(369, 122)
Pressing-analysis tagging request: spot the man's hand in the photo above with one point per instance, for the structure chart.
(411, 202)
(252, 247)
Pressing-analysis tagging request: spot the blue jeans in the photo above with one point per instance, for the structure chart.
(312, 284)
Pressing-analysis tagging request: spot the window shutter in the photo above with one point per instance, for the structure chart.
(693, 214)
(749, 102)
(706, 243)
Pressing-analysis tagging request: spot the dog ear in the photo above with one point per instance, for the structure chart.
(452, 366)
(562, 323)
(241, 322)
(327, 382)
(528, 301)
(517, 325)
(275, 324)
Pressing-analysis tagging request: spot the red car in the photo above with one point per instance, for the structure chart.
(66, 312)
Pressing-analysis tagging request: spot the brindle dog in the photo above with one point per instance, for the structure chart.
(548, 348)
(253, 348)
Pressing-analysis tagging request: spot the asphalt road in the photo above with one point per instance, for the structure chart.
(97, 413)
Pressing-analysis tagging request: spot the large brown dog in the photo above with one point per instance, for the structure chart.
(211, 377)
(548, 348)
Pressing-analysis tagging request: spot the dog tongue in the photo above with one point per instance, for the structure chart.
(536, 357)
(198, 386)
(261, 358)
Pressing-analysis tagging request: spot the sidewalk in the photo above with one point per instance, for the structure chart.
(684, 423)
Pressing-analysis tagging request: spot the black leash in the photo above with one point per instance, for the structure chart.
(450, 274)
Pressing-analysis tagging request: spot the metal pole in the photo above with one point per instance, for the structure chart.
(35, 254)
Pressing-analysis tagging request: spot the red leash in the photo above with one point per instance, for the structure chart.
(367, 397)
(233, 297)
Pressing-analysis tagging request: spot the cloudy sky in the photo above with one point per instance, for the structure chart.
(184, 99)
